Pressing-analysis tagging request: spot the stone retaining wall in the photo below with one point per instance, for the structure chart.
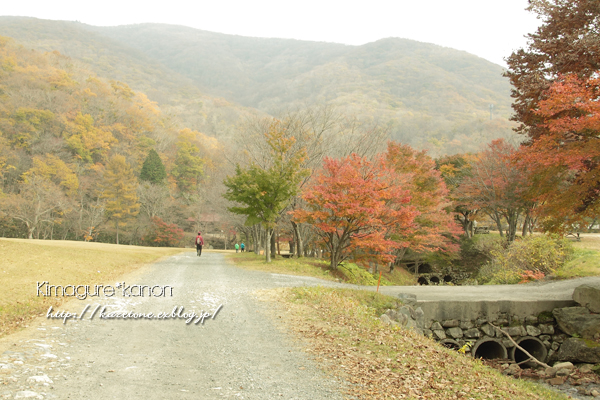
(565, 334)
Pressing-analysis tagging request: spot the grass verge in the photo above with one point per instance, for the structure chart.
(290, 266)
(583, 263)
(342, 329)
(319, 268)
(26, 262)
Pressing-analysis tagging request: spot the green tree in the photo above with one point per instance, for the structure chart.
(119, 189)
(263, 193)
(153, 169)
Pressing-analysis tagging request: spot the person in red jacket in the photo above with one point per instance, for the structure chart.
(199, 244)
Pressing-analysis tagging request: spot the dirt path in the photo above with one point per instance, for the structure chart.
(239, 354)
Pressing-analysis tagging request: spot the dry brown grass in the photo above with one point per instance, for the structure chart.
(23, 263)
(341, 329)
(589, 241)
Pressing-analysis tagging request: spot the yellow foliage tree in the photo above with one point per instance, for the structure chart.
(89, 142)
(119, 189)
(56, 170)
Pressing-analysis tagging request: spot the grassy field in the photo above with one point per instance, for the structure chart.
(585, 260)
(342, 329)
(318, 268)
(26, 262)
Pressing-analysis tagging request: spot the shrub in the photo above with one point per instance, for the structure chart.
(527, 259)
(357, 275)
(529, 276)
(162, 234)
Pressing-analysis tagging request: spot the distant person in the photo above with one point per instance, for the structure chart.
(199, 244)
(243, 247)
(237, 247)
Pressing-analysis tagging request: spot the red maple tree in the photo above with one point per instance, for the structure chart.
(355, 204)
(497, 185)
(434, 227)
(163, 234)
(565, 162)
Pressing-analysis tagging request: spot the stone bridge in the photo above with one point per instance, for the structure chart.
(538, 316)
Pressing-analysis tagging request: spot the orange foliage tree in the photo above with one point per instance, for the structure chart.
(498, 186)
(454, 169)
(354, 205)
(434, 228)
(163, 234)
(564, 164)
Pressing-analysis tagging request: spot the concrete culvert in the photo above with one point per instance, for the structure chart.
(447, 278)
(422, 281)
(434, 280)
(533, 346)
(489, 349)
(450, 343)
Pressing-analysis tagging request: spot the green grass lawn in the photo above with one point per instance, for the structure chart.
(583, 263)
(319, 268)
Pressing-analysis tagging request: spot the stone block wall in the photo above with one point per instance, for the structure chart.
(565, 334)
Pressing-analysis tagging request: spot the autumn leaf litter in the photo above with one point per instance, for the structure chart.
(382, 362)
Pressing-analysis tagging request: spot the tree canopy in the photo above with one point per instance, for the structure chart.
(153, 169)
(264, 192)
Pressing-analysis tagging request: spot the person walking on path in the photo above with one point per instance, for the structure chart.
(237, 247)
(243, 247)
(199, 244)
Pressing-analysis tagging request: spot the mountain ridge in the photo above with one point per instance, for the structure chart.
(429, 96)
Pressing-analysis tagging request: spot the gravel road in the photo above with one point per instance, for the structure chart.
(239, 354)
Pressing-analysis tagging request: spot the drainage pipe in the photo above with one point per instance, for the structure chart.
(533, 346)
(450, 343)
(489, 349)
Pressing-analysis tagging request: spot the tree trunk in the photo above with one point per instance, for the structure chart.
(117, 231)
(466, 224)
(272, 243)
(268, 235)
(398, 258)
(333, 256)
(299, 243)
(255, 239)
(524, 228)
(511, 218)
(494, 216)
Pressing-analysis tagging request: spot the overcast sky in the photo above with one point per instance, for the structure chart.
(488, 29)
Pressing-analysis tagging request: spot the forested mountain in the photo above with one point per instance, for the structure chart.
(177, 95)
(426, 95)
(72, 146)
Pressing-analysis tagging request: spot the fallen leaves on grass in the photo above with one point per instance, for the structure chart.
(382, 362)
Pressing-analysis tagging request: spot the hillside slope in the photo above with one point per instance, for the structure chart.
(177, 95)
(426, 95)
